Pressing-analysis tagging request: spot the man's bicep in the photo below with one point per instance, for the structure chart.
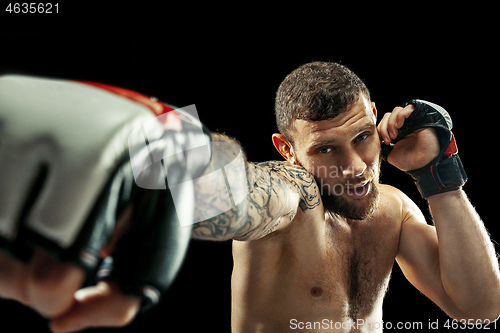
(418, 255)
(275, 191)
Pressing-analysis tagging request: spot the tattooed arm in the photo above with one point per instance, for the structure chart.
(274, 191)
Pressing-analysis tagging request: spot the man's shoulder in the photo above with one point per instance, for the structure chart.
(396, 201)
(392, 193)
(392, 200)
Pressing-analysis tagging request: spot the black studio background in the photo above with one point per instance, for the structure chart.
(230, 68)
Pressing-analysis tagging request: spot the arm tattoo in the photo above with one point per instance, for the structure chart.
(275, 191)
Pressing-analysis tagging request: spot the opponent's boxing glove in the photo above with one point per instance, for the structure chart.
(445, 172)
(66, 175)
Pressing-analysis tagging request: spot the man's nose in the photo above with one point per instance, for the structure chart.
(355, 166)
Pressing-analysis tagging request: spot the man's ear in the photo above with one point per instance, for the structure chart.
(284, 147)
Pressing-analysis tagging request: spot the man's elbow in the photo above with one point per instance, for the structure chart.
(483, 317)
(492, 302)
(486, 310)
(492, 310)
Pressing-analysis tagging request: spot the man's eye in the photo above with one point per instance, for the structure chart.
(325, 150)
(362, 137)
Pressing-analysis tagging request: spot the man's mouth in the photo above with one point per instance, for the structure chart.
(358, 191)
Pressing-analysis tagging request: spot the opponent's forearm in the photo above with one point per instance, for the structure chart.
(217, 215)
(270, 201)
(236, 199)
(216, 212)
(468, 262)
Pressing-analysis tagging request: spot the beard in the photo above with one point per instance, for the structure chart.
(350, 209)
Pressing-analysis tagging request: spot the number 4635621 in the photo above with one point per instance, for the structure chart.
(32, 8)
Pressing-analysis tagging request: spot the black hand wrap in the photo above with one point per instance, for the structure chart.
(445, 172)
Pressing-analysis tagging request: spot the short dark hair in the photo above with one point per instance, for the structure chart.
(316, 91)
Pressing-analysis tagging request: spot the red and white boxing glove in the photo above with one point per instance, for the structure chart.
(66, 176)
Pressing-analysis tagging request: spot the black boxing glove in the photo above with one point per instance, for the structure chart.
(67, 174)
(445, 172)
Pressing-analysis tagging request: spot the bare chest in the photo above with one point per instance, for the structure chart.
(313, 272)
(363, 260)
(345, 268)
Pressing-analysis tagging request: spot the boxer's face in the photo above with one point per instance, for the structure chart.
(343, 154)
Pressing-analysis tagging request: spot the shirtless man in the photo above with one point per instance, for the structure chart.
(317, 236)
